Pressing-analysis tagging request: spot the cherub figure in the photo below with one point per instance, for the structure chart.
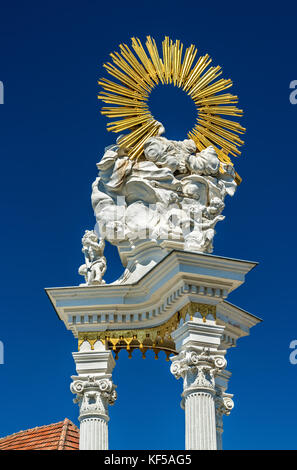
(215, 207)
(95, 262)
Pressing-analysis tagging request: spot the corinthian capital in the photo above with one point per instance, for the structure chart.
(198, 368)
(93, 395)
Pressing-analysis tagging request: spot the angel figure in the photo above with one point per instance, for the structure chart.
(95, 262)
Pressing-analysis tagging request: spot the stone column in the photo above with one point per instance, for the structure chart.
(198, 362)
(94, 391)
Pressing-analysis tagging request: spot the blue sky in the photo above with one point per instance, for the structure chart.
(52, 135)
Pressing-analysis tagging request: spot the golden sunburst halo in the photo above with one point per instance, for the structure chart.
(140, 71)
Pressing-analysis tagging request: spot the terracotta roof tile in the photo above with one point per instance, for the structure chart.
(57, 436)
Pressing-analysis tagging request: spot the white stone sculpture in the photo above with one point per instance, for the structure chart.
(95, 262)
(173, 192)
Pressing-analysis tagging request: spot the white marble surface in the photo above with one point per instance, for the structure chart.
(95, 262)
(179, 278)
(95, 392)
(199, 361)
(172, 193)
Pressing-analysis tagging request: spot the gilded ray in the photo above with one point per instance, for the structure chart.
(128, 123)
(187, 64)
(217, 87)
(138, 47)
(221, 99)
(139, 69)
(131, 59)
(113, 87)
(124, 111)
(115, 99)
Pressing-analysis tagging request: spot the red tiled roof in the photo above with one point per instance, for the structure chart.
(58, 436)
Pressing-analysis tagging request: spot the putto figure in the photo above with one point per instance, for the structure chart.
(95, 262)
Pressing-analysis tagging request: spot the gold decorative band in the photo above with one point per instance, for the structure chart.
(194, 307)
(157, 338)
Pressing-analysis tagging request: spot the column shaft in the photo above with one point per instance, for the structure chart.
(93, 434)
(200, 421)
(219, 439)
